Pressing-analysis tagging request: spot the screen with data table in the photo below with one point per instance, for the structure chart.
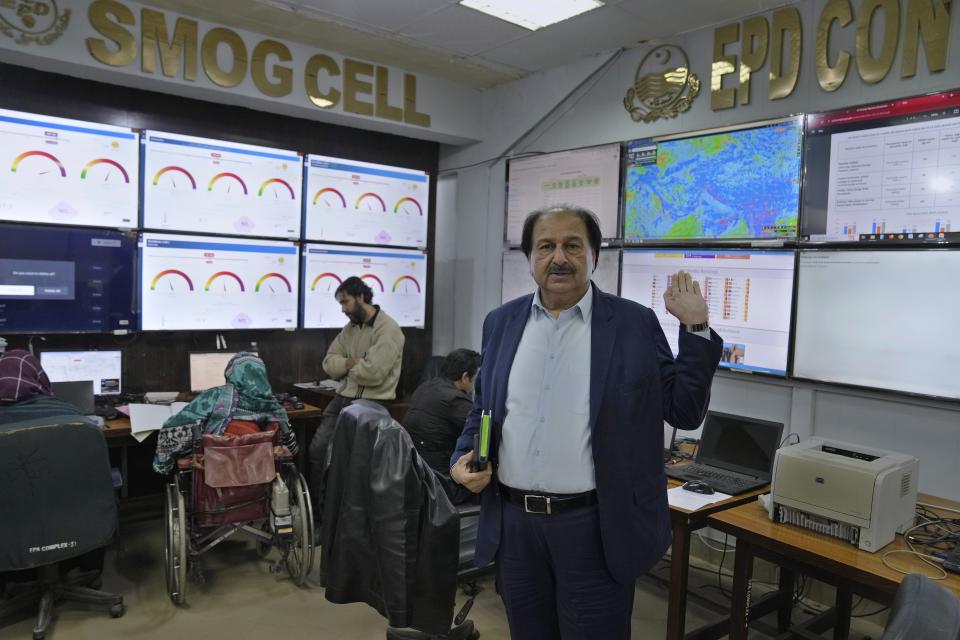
(888, 171)
(398, 278)
(517, 281)
(60, 171)
(588, 178)
(212, 186)
(749, 295)
(197, 282)
(365, 203)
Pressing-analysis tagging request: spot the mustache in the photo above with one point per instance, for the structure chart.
(563, 270)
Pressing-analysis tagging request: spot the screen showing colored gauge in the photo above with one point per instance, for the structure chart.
(211, 186)
(749, 294)
(365, 203)
(60, 171)
(66, 280)
(197, 282)
(742, 183)
(517, 281)
(397, 277)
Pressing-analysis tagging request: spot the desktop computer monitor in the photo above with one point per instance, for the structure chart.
(103, 368)
(206, 369)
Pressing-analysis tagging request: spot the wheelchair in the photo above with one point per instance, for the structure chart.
(245, 485)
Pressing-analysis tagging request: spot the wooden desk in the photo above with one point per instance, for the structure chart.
(683, 523)
(822, 557)
(117, 433)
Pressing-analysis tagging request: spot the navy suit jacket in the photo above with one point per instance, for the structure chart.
(635, 384)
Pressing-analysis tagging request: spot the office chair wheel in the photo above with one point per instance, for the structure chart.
(175, 549)
(39, 635)
(299, 554)
(117, 610)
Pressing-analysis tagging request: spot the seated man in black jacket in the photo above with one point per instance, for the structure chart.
(439, 408)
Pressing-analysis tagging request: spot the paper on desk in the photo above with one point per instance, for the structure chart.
(147, 418)
(691, 501)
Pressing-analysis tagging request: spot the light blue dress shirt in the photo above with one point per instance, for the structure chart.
(545, 440)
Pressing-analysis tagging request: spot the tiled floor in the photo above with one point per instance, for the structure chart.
(243, 599)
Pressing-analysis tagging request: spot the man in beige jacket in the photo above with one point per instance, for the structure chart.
(365, 357)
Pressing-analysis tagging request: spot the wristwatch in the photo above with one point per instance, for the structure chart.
(701, 326)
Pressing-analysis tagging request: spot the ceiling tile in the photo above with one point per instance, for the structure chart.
(462, 30)
(387, 16)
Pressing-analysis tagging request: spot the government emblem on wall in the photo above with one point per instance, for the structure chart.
(663, 86)
(33, 21)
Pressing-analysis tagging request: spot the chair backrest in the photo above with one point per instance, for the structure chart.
(923, 609)
(56, 492)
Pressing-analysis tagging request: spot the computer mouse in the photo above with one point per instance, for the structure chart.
(698, 486)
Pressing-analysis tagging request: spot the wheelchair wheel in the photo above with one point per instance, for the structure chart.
(299, 557)
(175, 550)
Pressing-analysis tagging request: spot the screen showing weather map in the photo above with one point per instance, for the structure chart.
(398, 278)
(749, 294)
(196, 282)
(516, 280)
(588, 178)
(60, 171)
(66, 280)
(365, 203)
(735, 184)
(211, 186)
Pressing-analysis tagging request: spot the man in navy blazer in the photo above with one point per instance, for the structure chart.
(579, 383)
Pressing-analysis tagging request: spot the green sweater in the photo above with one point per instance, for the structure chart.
(380, 348)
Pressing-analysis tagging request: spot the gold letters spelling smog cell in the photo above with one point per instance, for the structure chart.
(361, 87)
(926, 21)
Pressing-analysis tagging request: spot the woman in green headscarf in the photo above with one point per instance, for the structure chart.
(246, 396)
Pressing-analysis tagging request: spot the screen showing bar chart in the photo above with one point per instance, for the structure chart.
(59, 171)
(749, 295)
(212, 186)
(885, 171)
(365, 203)
(197, 282)
(398, 278)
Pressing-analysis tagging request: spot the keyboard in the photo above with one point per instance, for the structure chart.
(719, 479)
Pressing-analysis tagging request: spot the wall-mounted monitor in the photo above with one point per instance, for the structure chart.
(728, 185)
(588, 178)
(365, 203)
(66, 280)
(207, 368)
(516, 280)
(70, 172)
(749, 295)
(201, 282)
(102, 368)
(888, 171)
(398, 278)
(873, 318)
(213, 186)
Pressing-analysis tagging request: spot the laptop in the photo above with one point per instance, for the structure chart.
(735, 453)
(78, 393)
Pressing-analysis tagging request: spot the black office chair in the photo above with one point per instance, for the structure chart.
(390, 536)
(923, 609)
(58, 504)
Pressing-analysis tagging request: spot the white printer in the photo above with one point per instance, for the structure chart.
(855, 493)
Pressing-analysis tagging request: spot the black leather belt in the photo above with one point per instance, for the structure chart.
(548, 503)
